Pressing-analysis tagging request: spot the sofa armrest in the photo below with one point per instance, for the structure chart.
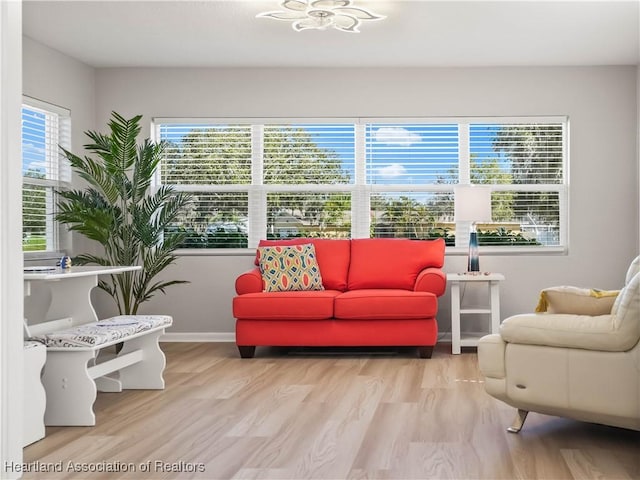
(568, 331)
(431, 280)
(491, 350)
(249, 282)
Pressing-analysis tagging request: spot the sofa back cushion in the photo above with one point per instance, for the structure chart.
(392, 262)
(332, 255)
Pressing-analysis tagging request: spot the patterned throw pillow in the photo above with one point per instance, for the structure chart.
(287, 268)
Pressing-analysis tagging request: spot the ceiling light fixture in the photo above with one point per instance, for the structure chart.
(322, 14)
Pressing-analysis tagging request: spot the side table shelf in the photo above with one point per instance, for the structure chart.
(492, 280)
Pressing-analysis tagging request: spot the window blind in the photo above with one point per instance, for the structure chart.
(206, 154)
(302, 154)
(44, 169)
(256, 179)
(524, 163)
(412, 153)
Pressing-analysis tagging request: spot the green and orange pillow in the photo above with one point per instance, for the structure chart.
(289, 268)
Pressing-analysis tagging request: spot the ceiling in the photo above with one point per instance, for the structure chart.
(451, 33)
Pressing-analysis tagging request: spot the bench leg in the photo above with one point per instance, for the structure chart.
(71, 392)
(147, 374)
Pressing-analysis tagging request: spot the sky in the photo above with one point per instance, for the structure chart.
(33, 141)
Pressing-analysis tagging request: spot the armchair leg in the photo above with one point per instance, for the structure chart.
(518, 422)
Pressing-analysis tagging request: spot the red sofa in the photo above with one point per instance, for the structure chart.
(377, 292)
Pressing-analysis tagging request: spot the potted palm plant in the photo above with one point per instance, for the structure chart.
(117, 210)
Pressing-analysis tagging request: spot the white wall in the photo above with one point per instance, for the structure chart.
(53, 77)
(11, 288)
(600, 101)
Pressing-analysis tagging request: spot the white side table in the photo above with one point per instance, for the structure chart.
(492, 280)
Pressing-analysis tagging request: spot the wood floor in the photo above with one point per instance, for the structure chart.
(343, 416)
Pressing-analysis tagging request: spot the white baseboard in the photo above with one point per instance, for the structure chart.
(198, 337)
(444, 337)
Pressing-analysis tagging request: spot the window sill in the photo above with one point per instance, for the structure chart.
(42, 256)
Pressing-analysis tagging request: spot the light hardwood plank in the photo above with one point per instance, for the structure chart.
(301, 415)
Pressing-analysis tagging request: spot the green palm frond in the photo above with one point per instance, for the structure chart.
(150, 154)
(151, 290)
(87, 259)
(95, 173)
(118, 211)
(124, 134)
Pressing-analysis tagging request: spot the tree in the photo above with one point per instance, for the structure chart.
(405, 216)
(222, 156)
(534, 152)
(535, 156)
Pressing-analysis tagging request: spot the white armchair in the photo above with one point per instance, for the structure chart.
(577, 366)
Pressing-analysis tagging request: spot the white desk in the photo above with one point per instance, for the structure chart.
(70, 292)
(493, 280)
(70, 305)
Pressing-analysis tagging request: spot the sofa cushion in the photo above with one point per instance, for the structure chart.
(301, 305)
(392, 262)
(333, 257)
(290, 267)
(385, 304)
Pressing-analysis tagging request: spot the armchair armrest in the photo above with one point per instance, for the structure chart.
(568, 331)
(431, 280)
(249, 282)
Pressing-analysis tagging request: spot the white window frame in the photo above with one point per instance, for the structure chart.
(58, 238)
(361, 191)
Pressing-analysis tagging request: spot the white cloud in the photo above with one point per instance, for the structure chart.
(393, 170)
(397, 136)
(31, 148)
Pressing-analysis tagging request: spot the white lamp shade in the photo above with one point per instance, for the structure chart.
(472, 203)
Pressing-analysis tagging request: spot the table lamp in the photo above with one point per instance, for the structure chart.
(473, 204)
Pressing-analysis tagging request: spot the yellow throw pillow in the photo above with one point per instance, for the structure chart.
(289, 268)
(577, 301)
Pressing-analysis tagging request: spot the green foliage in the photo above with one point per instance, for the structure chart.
(503, 236)
(117, 211)
(216, 239)
(34, 244)
(499, 237)
(34, 208)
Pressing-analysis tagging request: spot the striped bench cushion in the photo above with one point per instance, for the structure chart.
(105, 331)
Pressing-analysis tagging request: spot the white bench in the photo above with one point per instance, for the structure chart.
(77, 367)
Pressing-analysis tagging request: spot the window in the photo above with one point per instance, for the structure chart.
(360, 178)
(44, 128)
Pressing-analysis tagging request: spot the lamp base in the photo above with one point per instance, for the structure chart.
(473, 264)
